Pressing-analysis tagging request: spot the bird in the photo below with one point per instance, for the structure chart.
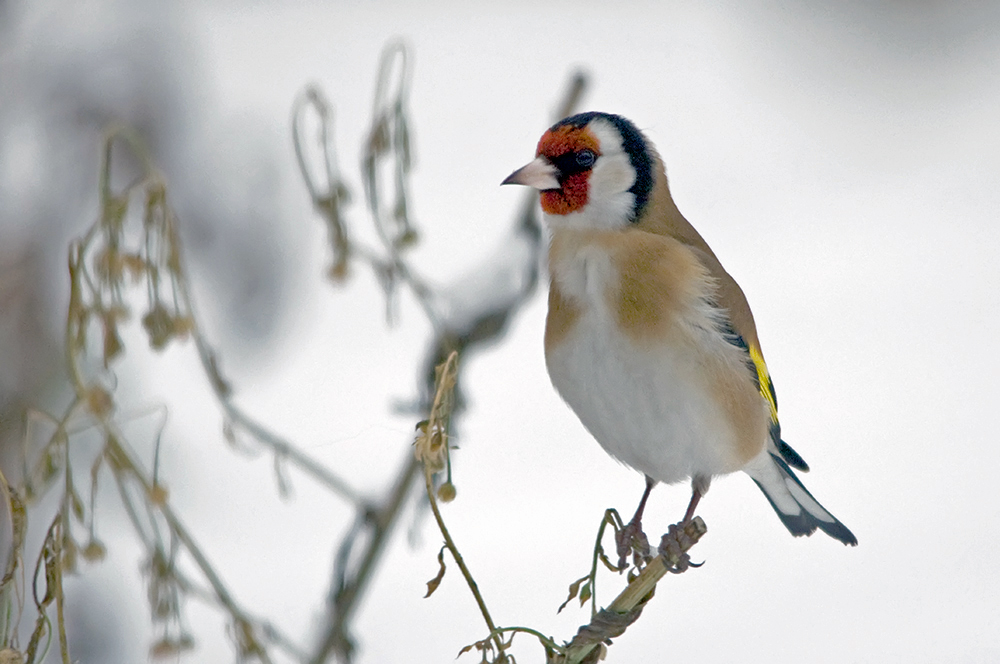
(648, 338)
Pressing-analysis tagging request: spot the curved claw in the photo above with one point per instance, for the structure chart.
(631, 540)
(673, 547)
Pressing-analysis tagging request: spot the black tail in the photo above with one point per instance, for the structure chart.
(798, 510)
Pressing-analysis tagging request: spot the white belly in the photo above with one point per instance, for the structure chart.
(647, 406)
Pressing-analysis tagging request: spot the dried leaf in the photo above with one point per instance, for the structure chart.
(158, 494)
(338, 271)
(19, 520)
(429, 448)
(171, 647)
(182, 326)
(378, 139)
(47, 467)
(433, 584)
(69, 556)
(247, 644)
(156, 195)
(229, 432)
(162, 649)
(574, 588)
(94, 551)
(115, 208)
(281, 476)
(11, 656)
(220, 384)
(483, 646)
(41, 626)
(80, 316)
(159, 327)
(108, 266)
(51, 566)
(76, 505)
(174, 254)
(135, 265)
(446, 375)
(585, 592)
(19, 527)
(408, 238)
(607, 561)
(114, 455)
(113, 345)
(99, 401)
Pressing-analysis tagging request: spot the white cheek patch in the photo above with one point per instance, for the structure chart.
(612, 173)
(610, 202)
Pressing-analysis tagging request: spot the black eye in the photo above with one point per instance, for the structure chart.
(585, 158)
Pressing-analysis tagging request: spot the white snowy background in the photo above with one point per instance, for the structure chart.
(841, 158)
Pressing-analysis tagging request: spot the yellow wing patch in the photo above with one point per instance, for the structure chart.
(764, 381)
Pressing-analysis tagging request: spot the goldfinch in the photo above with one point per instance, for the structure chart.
(648, 338)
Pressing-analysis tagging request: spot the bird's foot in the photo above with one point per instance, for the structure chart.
(632, 541)
(673, 548)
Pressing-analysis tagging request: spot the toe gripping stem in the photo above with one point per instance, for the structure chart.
(627, 607)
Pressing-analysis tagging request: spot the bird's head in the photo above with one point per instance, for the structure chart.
(594, 170)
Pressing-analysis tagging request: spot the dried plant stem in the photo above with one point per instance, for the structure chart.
(432, 448)
(260, 433)
(99, 405)
(335, 639)
(610, 517)
(124, 454)
(98, 295)
(469, 580)
(208, 358)
(630, 601)
(61, 601)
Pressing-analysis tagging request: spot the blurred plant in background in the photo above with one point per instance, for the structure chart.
(129, 269)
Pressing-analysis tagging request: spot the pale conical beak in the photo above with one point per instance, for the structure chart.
(540, 174)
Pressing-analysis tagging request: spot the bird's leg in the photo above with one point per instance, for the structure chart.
(631, 536)
(695, 497)
(699, 487)
(676, 541)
